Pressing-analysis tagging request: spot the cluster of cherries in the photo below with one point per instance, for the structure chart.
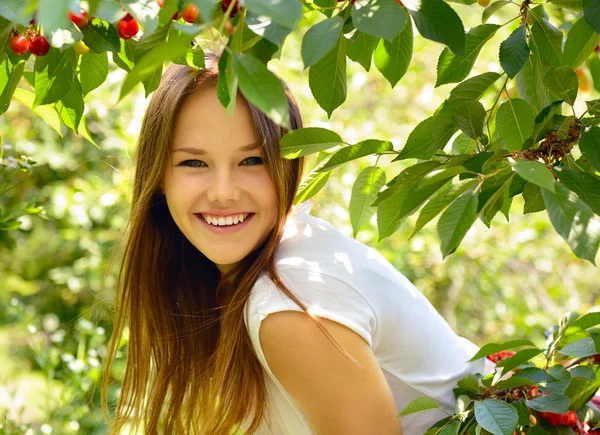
(31, 41)
(568, 418)
(127, 28)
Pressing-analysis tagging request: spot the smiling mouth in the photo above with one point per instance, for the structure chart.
(206, 218)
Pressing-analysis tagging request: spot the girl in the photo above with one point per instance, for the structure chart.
(247, 313)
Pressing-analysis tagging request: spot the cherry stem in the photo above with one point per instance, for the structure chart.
(226, 16)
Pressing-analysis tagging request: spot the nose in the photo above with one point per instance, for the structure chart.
(223, 187)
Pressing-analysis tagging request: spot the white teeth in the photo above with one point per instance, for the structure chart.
(224, 221)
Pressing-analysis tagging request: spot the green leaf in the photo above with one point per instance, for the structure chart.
(593, 107)
(580, 348)
(51, 16)
(319, 39)
(437, 21)
(470, 383)
(440, 201)
(452, 68)
(311, 186)
(125, 58)
(444, 126)
(534, 201)
(93, 70)
(327, 78)
(548, 40)
(47, 113)
(194, 58)
(407, 176)
(262, 88)
(418, 142)
(591, 13)
(148, 41)
(473, 88)
(513, 382)
(535, 172)
(515, 120)
(514, 52)
(581, 41)
(451, 429)
(401, 204)
(5, 34)
(108, 11)
(361, 149)
(456, 220)
(493, 8)
(589, 144)
(560, 383)
(492, 348)
(286, 13)
(470, 117)
(585, 185)
(418, 405)
(562, 82)
(530, 79)
(574, 221)
(18, 11)
(439, 174)
(100, 36)
(584, 372)
(392, 58)
(308, 140)
(361, 47)
(70, 107)
(381, 18)
(364, 191)
(10, 75)
(153, 59)
(576, 5)
(557, 403)
(586, 321)
(496, 416)
(463, 144)
(516, 360)
(54, 75)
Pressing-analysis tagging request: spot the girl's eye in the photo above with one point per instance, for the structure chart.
(191, 163)
(199, 163)
(255, 158)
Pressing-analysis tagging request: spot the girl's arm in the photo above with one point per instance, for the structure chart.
(336, 395)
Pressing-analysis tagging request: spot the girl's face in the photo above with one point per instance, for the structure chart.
(216, 168)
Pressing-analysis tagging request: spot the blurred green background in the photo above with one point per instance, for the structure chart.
(56, 283)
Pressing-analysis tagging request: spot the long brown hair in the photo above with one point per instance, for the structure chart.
(180, 370)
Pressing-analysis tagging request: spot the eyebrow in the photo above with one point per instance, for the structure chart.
(200, 151)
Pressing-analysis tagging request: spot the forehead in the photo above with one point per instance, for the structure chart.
(203, 121)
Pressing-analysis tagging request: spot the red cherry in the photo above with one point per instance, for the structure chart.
(79, 20)
(597, 49)
(597, 358)
(127, 17)
(495, 357)
(19, 44)
(568, 419)
(128, 29)
(39, 45)
(161, 3)
(225, 5)
(190, 13)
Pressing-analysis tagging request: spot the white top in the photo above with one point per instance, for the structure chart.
(343, 280)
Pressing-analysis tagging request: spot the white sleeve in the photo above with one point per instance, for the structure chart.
(324, 296)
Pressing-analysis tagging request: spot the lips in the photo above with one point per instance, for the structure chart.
(200, 216)
(225, 229)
